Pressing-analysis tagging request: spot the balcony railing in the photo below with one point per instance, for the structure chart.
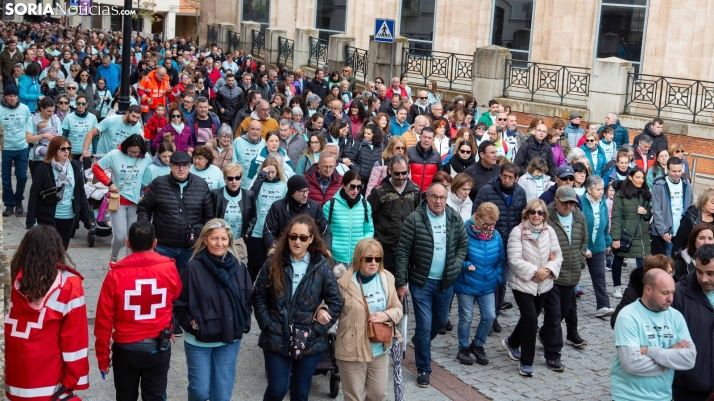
(286, 49)
(357, 59)
(258, 47)
(671, 98)
(548, 83)
(318, 52)
(446, 68)
(233, 41)
(212, 34)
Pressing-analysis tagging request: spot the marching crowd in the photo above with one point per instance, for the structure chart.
(239, 189)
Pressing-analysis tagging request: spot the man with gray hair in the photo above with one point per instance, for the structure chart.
(621, 134)
(644, 156)
(341, 168)
(291, 142)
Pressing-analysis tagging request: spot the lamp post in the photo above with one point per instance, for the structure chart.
(125, 59)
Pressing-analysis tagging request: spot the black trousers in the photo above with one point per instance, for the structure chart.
(659, 245)
(63, 227)
(524, 334)
(502, 289)
(256, 256)
(558, 306)
(133, 369)
(683, 394)
(390, 261)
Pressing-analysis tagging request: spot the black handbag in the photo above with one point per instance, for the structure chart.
(626, 240)
(51, 195)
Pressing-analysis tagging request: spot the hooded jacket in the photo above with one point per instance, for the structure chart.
(390, 209)
(531, 149)
(625, 220)
(29, 91)
(183, 140)
(573, 249)
(488, 256)
(596, 165)
(659, 142)
(662, 205)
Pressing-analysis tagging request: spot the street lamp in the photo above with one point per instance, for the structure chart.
(125, 59)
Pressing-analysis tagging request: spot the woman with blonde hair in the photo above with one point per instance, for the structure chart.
(702, 211)
(676, 150)
(395, 146)
(234, 204)
(364, 363)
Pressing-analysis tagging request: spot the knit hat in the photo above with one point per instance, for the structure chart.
(296, 183)
(10, 90)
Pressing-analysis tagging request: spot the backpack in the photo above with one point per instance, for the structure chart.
(332, 207)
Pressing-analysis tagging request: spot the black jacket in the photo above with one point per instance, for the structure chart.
(173, 76)
(457, 165)
(481, 176)
(530, 149)
(510, 216)
(634, 290)
(690, 300)
(160, 206)
(227, 98)
(206, 301)
(241, 115)
(659, 142)
(247, 208)
(683, 264)
(319, 88)
(691, 218)
(276, 313)
(390, 209)
(44, 179)
(363, 157)
(284, 210)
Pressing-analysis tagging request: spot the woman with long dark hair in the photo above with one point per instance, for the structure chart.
(463, 157)
(366, 151)
(288, 300)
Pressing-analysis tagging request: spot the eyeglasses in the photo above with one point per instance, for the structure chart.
(358, 187)
(71, 88)
(486, 225)
(501, 119)
(176, 116)
(399, 173)
(538, 212)
(345, 70)
(679, 151)
(437, 197)
(81, 103)
(303, 191)
(370, 259)
(234, 178)
(63, 102)
(465, 152)
(133, 153)
(181, 165)
(400, 147)
(65, 148)
(302, 237)
(480, 128)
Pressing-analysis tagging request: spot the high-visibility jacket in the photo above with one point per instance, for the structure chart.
(151, 88)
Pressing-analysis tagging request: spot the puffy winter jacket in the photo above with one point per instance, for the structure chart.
(348, 224)
(462, 207)
(488, 256)
(160, 206)
(510, 215)
(29, 91)
(662, 205)
(622, 136)
(573, 250)
(363, 156)
(284, 210)
(531, 149)
(423, 165)
(625, 221)
(659, 142)
(573, 134)
(227, 98)
(603, 240)
(277, 313)
(526, 256)
(247, 208)
(313, 181)
(390, 209)
(598, 165)
(294, 146)
(416, 248)
(692, 217)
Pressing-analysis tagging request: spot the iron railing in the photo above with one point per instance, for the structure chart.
(318, 52)
(212, 34)
(233, 41)
(673, 98)
(451, 68)
(546, 82)
(358, 60)
(286, 49)
(258, 46)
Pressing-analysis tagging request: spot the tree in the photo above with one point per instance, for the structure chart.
(145, 9)
(196, 5)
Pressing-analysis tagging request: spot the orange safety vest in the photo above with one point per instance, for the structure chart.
(150, 88)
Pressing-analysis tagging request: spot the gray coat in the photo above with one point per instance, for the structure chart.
(294, 148)
(662, 205)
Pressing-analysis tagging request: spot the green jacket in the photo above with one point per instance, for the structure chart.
(624, 221)
(573, 250)
(416, 245)
(486, 119)
(7, 62)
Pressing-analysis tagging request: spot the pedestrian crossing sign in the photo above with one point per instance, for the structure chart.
(384, 30)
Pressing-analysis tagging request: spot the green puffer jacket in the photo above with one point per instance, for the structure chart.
(624, 221)
(416, 246)
(348, 226)
(573, 250)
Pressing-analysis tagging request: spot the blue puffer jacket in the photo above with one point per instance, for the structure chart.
(347, 224)
(488, 257)
(603, 239)
(596, 165)
(29, 90)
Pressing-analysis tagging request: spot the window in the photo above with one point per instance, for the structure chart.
(512, 26)
(417, 23)
(257, 11)
(622, 30)
(330, 17)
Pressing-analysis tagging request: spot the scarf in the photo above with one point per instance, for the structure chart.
(81, 115)
(224, 270)
(459, 165)
(528, 229)
(62, 178)
(482, 235)
(350, 202)
(365, 279)
(506, 190)
(157, 161)
(178, 128)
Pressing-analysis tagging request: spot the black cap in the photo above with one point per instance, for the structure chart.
(10, 90)
(180, 157)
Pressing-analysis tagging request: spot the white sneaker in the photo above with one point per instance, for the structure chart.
(618, 292)
(604, 312)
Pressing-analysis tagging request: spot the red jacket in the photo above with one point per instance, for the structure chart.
(46, 344)
(315, 188)
(135, 301)
(153, 126)
(390, 92)
(644, 162)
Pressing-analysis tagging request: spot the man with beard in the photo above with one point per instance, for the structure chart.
(114, 130)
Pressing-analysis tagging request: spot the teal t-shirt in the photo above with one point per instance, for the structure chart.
(710, 296)
(540, 183)
(15, 121)
(153, 171)
(212, 175)
(567, 223)
(78, 128)
(637, 326)
(269, 193)
(438, 259)
(233, 214)
(299, 270)
(114, 132)
(377, 302)
(122, 170)
(64, 208)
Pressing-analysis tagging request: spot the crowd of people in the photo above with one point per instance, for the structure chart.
(239, 189)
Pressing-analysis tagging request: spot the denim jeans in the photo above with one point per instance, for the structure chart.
(181, 256)
(596, 266)
(617, 269)
(502, 289)
(211, 371)
(19, 159)
(487, 309)
(278, 369)
(431, 312)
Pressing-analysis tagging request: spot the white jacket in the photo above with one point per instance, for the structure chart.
(525, 257)
(528, 183)
(463, 207)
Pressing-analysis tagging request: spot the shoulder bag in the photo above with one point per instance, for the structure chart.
(626, 240)
(376, 332)
(113, 205)
(194, 230)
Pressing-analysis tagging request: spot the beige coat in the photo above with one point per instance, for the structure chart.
(352, 343)
(526, 256)
(220, 159)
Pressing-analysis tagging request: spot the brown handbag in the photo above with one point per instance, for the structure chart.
(376, 332)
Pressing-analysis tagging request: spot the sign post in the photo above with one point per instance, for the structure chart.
(384, 32)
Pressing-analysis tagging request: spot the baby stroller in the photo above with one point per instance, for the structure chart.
(95, 195)
(328, 363)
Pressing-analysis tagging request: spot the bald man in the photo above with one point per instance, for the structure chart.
(652, 342)
(262, 114)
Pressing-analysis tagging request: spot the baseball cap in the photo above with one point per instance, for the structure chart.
(565, 171)
(566, 194)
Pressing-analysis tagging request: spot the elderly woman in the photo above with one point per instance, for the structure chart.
(203, 167)
(214, 309)
(222, 146)
(534, 257)
(459, 195)
(289, 294)
(234, 204)
(364, 363)
(594, 153)
(68, 204)
(702, 211)
(481, 274)
(599, 241)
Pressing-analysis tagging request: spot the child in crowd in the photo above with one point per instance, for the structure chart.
(154, 125)
(345, 92)
(41, 148)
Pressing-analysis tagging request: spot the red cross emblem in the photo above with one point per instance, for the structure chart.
(28, 325)
(145, 299)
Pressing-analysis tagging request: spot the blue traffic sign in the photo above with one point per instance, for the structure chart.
(384, 30)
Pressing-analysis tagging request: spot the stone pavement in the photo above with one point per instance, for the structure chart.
(586, 376)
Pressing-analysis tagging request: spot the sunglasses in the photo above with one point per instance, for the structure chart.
(400, 148)
(568, 178)
(81, 103)
(400, 173)
(538, 212)
(370, 259)
(63, 102)
(465, 152)
(176, 116)
(71, 88)
(65, 148)
(480, 129)
(501, 119)
(302, 237)
(234, 178)
(358, 187)
(423, 98)
(589, 140)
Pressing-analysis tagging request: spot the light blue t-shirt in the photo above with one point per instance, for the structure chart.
(596, 217)
(114, 132)
(299, 270)
(64, 208)
(234, 215)
(579, 190)
(567, 223)
(676, 197)
(152, 172)
(438, 259)
(269, 193)
(244, 151)
(121, 166)
(212, 175)
(540, 183)
(377, 302)
(710, 296)
(15, 121)
(78, 128)
(639, 327)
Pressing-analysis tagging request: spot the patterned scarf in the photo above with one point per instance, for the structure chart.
(528, 229)
(62, 178)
